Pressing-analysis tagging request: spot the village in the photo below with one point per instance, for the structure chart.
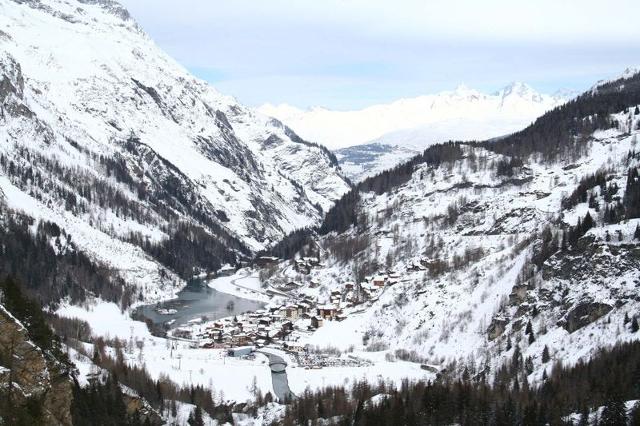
(289, 317)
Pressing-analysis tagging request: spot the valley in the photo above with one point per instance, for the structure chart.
(171, 256)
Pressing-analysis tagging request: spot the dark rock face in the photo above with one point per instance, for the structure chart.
(32, 373)
(584, 314)
(496, 328)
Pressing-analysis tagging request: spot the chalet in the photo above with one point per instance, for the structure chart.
(291, 286)
(327, 311)
(349, 286)
(291, 312)
(287, 326)
(311, 261)
(293, 347)
(316, 322)
(215, 334)
(264, 321)
(302, 267)
(264, 261)
(226, 271)
(182, 333)
(263, 334)
(240, 339)
(379, 280)
(303, 308)
(240, 351)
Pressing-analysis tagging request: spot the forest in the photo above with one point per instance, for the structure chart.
(50, 267)
(564, 131)
(607, 380)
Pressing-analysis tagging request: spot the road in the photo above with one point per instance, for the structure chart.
(234, 281)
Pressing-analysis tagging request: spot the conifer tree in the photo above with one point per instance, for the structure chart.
(614, 413)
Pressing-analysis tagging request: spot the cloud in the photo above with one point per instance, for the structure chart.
(329, 49)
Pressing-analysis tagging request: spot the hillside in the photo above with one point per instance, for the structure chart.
(475, 253)
(108, 138)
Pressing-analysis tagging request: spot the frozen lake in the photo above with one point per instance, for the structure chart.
(197, 301)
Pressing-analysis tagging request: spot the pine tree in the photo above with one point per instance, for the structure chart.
(636, 234)
(198, 420)
(614, 413)
(584, 417)
(635, 415)
(529, 331)
(634, 325)
(587, 223)
(545, 354)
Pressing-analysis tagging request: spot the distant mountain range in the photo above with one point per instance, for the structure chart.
(416, 123)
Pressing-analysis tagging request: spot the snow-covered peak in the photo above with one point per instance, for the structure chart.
(627, 73)
(505, 111)
(520, 90)
(464, 91)
(90, 92)
(630, 72)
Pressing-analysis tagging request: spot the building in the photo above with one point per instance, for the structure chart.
(240, 351)
(316, 322)
(226, 271)
(379, 281)
(290, 312)
(264, 261)
(240, 339)
(327, 312)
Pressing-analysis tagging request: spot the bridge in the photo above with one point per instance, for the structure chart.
(277, 365)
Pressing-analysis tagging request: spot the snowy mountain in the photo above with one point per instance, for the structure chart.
(106, 136)
(472, 255)
(413, 124)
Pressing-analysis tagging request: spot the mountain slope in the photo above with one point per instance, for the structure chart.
(490, 252)
(105, 135)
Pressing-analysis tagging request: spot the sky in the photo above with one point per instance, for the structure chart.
(348, 54)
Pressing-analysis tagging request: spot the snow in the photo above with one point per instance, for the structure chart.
(244, 283)
(382, 371)
(446, 318)
(230, 378)
(183, 411)
(461, 114)
(92, 78)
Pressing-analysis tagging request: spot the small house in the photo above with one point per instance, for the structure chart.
(316, 322)
(226, 271)
(240, 351)
(327, 311)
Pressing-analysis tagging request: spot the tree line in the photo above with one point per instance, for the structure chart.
(51, 267)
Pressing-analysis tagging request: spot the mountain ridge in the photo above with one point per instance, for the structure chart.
(516, 100)
(132, 155)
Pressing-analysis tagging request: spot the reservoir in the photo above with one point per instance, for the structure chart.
(196, 300)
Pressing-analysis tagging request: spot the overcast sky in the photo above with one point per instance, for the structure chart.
(346, 54)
